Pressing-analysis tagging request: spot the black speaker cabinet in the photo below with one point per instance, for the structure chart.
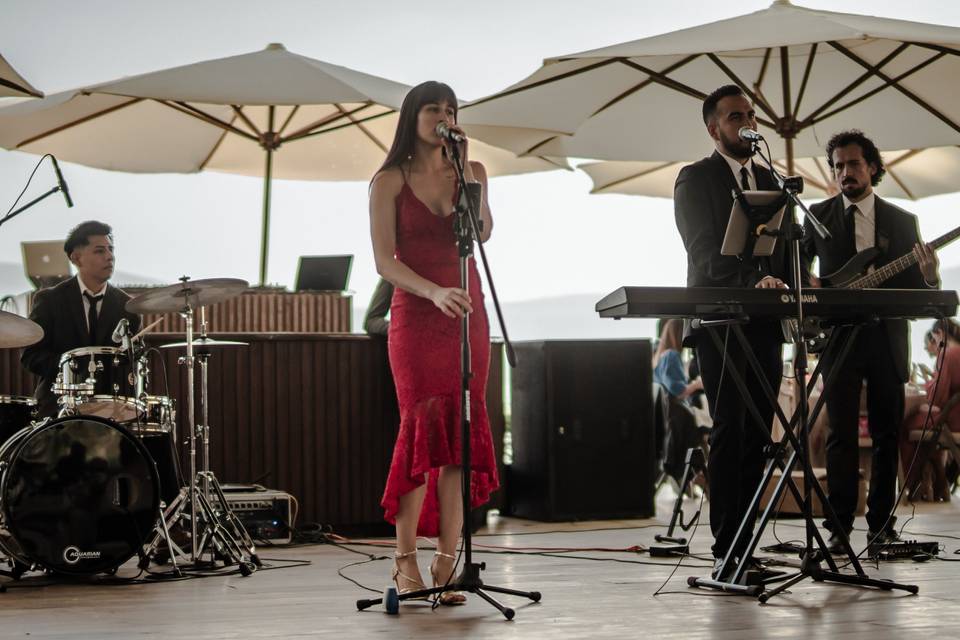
(582, 430)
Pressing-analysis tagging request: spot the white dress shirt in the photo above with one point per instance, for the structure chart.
(736, 165)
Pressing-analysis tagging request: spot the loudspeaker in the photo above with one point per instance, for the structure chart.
(582, 430)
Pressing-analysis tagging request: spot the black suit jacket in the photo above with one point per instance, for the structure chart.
(59, 310)
(897, 233)
(702, 199)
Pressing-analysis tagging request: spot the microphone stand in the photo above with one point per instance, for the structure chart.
(466, 229)
(49, 193)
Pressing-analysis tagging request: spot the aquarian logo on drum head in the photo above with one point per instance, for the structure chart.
(73, 555)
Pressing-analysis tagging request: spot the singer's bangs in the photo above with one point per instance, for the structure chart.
(433, 92)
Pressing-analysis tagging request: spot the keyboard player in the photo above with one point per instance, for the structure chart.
(702, 202)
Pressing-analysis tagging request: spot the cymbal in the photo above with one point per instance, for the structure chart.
(204, 343)
(17, 331)
(198, 293)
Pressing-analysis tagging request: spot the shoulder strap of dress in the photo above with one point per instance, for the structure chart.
(403, 171)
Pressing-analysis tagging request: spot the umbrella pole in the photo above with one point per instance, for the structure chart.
(265, 237)
(267, 140)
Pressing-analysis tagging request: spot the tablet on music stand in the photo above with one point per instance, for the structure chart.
(739, 226)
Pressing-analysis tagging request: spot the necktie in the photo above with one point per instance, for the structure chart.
(850, 219)
(92, 314)
(744, 180)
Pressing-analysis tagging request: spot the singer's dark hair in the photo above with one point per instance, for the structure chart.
(79, 236)
(406, 135)
(870, 151)
(711, 101)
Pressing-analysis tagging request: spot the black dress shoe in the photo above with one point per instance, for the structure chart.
(835, 543)
(887, 536)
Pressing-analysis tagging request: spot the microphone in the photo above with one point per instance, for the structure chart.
(63, 185)
(746, 133)
(120, 332)
(447, 133)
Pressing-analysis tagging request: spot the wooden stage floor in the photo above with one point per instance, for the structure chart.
(589, 593)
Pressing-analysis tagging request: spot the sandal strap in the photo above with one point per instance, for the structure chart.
(445, 555)
(404, 554)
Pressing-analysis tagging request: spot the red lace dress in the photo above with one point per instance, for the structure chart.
(424, 347)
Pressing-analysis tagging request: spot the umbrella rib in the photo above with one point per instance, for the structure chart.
(766, 108)
(810, 119)
(74, 123)
(17, 87)
(658, 77)
(806, 77)
(823, 172)
(634, 176)
(807, 176)
(894, 82)
(310, 134)
(540, 83)
(213, 150)
(239, 111)
(303, 132)
(362, 128)
(937, 47)
(758, 85)
(644, 84)
(903, 157)
(193, 112)
(288, 120)
(900, 183)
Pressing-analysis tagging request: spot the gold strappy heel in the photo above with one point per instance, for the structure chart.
(446, 597)
(397, 575)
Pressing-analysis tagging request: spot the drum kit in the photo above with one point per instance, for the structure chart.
(84, 493)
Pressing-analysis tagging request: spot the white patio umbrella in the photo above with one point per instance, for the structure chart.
(911, 174)
(810, 73)
(271, 113)
(13, 84)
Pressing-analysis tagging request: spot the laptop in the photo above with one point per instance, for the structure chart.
(45, 263)
(323, 273)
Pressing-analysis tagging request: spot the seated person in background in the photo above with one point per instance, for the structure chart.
(375, 321)
(944, 383)
(668, 369)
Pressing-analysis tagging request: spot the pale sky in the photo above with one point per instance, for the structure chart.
(551, 237)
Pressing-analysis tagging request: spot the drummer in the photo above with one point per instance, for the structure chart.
(82, 311)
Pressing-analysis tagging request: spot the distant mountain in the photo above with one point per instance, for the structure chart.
(559, 318)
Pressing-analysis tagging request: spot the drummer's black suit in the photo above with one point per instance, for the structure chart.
(59, 310)
(702, 202)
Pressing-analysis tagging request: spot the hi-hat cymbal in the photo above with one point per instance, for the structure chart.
(17, 331)
(204, 343)
(196, 293)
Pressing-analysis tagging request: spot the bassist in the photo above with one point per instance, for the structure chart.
(860, 221)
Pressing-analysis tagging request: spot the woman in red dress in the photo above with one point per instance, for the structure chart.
(411, 224)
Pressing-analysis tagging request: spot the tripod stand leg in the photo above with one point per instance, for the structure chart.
(507, 612)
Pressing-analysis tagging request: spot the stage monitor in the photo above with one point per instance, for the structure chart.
(45, 263)
(323, 273)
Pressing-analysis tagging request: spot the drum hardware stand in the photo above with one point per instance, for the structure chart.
(735, 581)
(466, 228)
(220, 527)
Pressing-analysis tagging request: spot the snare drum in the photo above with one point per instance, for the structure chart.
(16, 412)
(102, 381)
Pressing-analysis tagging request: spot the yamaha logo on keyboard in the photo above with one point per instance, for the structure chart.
(787, 298)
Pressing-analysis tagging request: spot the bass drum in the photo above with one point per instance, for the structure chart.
(78, 496)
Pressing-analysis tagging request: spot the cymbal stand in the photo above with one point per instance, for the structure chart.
(207, 478)
(220, 528)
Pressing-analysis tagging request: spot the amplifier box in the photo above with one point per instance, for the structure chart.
(266, 514)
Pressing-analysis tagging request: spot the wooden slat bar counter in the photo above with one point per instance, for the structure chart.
(311, 414)
(269, 310)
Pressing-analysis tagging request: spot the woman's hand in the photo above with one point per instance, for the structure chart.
(453, 302)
